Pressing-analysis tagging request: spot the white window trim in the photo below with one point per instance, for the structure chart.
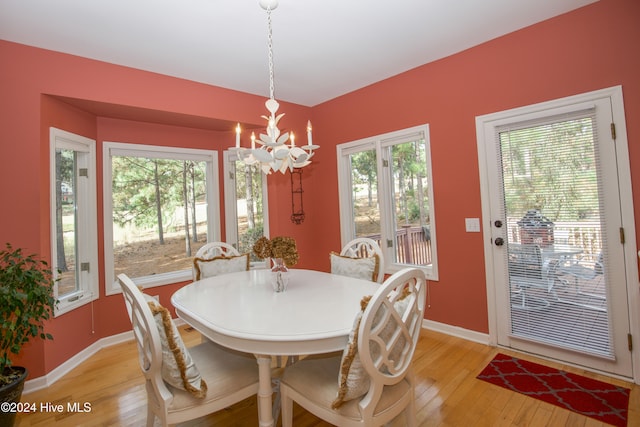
(379, 142)
(213, 205)
(231, 207)
(87, 208)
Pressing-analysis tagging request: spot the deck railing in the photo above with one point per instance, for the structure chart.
(413, 245)
(582, 234)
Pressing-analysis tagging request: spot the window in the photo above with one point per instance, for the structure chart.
(74, 251)
(246, 204)
(160, 206)
(386, 193)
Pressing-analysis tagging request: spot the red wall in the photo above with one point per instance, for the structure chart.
(591, 48)
(588, 49)
(31, 82)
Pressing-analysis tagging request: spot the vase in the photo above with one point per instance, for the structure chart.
(279, 275)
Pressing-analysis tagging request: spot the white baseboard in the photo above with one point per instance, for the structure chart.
(74, 361)
(456, 331)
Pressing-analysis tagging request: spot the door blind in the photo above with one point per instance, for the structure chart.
(555, 255)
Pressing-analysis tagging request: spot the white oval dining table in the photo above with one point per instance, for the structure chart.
(241, 311)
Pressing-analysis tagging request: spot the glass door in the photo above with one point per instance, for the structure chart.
(558, 258)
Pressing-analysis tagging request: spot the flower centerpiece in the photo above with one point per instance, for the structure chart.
(283, 253)
(281, 247)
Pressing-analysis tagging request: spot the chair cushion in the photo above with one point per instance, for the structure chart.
(226, 370)
(315, 379)
(360, 268)
(353, 379)
(220, 265)
(178, 368)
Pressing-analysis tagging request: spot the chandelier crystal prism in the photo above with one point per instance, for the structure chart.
(274, 150)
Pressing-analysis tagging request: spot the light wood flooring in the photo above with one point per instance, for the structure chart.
(447, 392)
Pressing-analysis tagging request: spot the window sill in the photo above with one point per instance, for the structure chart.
(71, 302)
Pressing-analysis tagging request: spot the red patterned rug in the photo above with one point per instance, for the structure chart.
(586, 396)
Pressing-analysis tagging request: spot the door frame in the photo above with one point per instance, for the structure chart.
(627, 212)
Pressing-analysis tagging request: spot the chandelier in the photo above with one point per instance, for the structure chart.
(274, 150)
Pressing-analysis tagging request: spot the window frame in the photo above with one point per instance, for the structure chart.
(382, 143)
(164, 152)
(231, 208)
(85, 198)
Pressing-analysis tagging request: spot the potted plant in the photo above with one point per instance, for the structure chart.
(26, 301)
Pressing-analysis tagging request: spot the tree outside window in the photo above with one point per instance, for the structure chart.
(386, 194)
(159, 212)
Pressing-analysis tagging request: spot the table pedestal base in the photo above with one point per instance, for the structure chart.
(265, 406)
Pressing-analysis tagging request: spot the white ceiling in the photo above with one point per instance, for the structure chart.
(322, 49)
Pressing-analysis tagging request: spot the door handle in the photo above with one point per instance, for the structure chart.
(499, 241)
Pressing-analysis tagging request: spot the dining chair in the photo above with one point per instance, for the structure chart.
(372, 382)
(216, 258)
(362, 258)
(183, 384)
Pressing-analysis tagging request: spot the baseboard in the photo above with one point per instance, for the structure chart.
(53, 376)
(456, 331)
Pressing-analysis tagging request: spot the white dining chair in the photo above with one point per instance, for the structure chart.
(359, 248)
(371, 383)
(212, 378)
(217, 258)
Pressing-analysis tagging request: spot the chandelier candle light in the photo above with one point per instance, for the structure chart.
(276, 152)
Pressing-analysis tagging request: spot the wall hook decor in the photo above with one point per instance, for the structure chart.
(297, 209)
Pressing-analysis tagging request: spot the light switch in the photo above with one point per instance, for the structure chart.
(472, 225)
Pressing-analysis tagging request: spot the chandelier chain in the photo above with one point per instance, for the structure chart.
(274, 150)
(270, 46)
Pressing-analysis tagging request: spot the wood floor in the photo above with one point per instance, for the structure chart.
(447, 392)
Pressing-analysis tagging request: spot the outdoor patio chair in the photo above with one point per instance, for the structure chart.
(527, 272)
(582, 268)
(586, 276)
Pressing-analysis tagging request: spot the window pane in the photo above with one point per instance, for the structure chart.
(66, 221)
(386, 194)
(250, 223)
(410, 203)
(366, 210)
(74, 235)
(159, 214)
